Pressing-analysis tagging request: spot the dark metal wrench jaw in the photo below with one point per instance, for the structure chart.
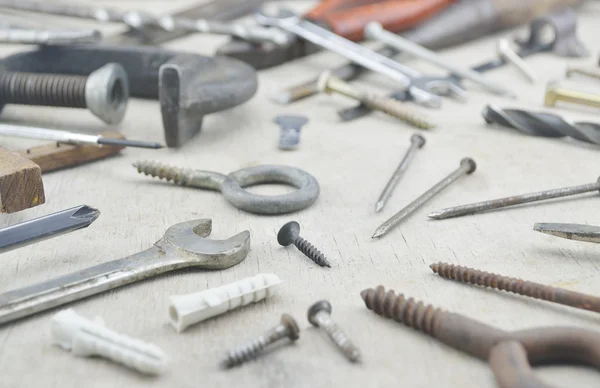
(183, 245)
(188, 86)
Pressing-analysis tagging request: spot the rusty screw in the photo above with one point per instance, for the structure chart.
(517, 286)
(290, 234)
(319, 314)
(288, 327)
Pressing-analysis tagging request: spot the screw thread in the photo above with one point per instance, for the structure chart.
(311, 252)
(406, 311)
(246, 352)
(341, 340)
(492, 280)
(43, 89)
(159, 170)
(397, 110)
(587, 72)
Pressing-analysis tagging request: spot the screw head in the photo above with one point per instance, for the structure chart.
(288, 233)
(313, 310)
(418, 140)
(107, 92)
(470, 164)
(291, 325)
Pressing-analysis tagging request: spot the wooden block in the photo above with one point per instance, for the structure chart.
(21, 185)
(56, 156)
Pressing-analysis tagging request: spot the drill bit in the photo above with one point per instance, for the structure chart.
(542, 124)
(71, 138)
(46, 227)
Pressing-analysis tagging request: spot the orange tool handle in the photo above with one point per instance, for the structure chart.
(326, 7)
(394, 15)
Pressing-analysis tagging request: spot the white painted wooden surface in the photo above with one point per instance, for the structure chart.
(352, 163)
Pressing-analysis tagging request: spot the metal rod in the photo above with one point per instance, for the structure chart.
(46, 227)
(48, 37)
(511, 201)
(467, 166)
(70, 137)
(374, 30)
(416, 142)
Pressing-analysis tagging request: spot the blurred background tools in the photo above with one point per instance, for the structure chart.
(557, 94)
(43, 228)
(70, 137)
(138, 19)
(542, 124)
(39, 36)
(21, 185)
(289, 131)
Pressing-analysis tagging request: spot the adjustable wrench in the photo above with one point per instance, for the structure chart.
(183, 245)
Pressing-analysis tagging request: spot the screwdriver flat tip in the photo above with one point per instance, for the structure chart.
(379, 206)
(437, 215)
(282, 98)
(129, 143)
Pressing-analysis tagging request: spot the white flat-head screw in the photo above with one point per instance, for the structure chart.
(505, 51)
(319, 314)
(287, 328)
(83, 337)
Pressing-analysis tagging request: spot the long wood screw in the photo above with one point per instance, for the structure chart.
(517, 286)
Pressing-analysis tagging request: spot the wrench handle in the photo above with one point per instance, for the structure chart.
(39, 297)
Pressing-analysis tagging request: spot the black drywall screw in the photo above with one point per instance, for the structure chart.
(290, 234)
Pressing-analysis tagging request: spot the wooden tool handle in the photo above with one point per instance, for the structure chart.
(21, 185)
(396, 16)
(58, 156)
(327, 7)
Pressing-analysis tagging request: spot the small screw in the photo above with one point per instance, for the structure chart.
(290, 234)
(592, 73)
(416, 142)
(517, 286)
(329, 83)
(104, 92)
(478, 207)
(555, 94)
(288, 327)
(467, 166)
(504, 50)
(319, 314)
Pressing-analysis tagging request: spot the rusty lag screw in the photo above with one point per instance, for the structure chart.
(288, 327)
(329, 83)
(319, 314)
(290, 234)
(104, 92)
(406, 311)
(517, 286)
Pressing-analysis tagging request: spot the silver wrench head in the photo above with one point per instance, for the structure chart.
(441, 86)
(188, 241)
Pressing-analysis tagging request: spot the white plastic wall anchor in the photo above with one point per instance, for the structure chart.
(186, 310)
(83, 337)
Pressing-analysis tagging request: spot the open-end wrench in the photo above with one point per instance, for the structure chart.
(562, 22)
(370, 59)
(183, 245)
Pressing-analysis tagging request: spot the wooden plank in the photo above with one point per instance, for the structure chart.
(56, 156)
(21, 185)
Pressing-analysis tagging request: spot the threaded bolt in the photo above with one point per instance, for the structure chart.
(319, 314)
(290, 234)
(329, 83)
(251, 350)
(517, 286)
(406, 311)
(159, 170)
(104, 92)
